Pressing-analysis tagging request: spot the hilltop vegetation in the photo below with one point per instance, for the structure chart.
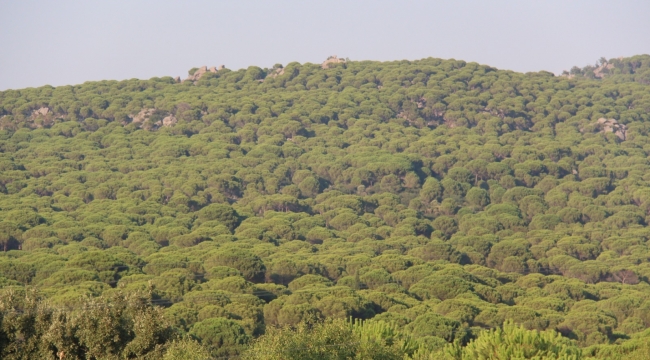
(636, 68)
(435, 199)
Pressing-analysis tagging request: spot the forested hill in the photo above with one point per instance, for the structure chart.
(437, 198)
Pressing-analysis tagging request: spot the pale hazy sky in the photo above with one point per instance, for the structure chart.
(69, 42)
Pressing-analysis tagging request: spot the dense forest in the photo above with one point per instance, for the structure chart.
(422, 209)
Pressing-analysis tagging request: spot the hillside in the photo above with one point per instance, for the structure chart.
(438, 198)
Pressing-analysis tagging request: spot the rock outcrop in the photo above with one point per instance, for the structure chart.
(331, 60)
(602, 71)
(605, 68)
(41, 111)
(142, 116)
(146, 114)
(611, 125)
(169, 120)
(277, 72)
(41, 117)
(202, 70)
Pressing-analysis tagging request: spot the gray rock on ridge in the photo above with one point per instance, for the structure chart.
(331, 60)
(601, 71)
(202, 70)
(277, 72)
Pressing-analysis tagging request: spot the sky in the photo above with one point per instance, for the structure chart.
(44, 42)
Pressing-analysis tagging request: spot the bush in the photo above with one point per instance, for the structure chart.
(513, 342)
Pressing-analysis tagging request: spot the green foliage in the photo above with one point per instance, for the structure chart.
(435, 325)
(220, 336)
(336, 339)
(186, 349)
(440, 195)
(109, 328)
(513, 342)
(250, 266)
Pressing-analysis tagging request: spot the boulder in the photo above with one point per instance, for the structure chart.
(169, 121)
(331, 60)
(41, 111)
(612, 125)
(202, 70)
(277, 72)
(602, 71)
(143, 115)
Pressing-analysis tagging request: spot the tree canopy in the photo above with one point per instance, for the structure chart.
(448, 207)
